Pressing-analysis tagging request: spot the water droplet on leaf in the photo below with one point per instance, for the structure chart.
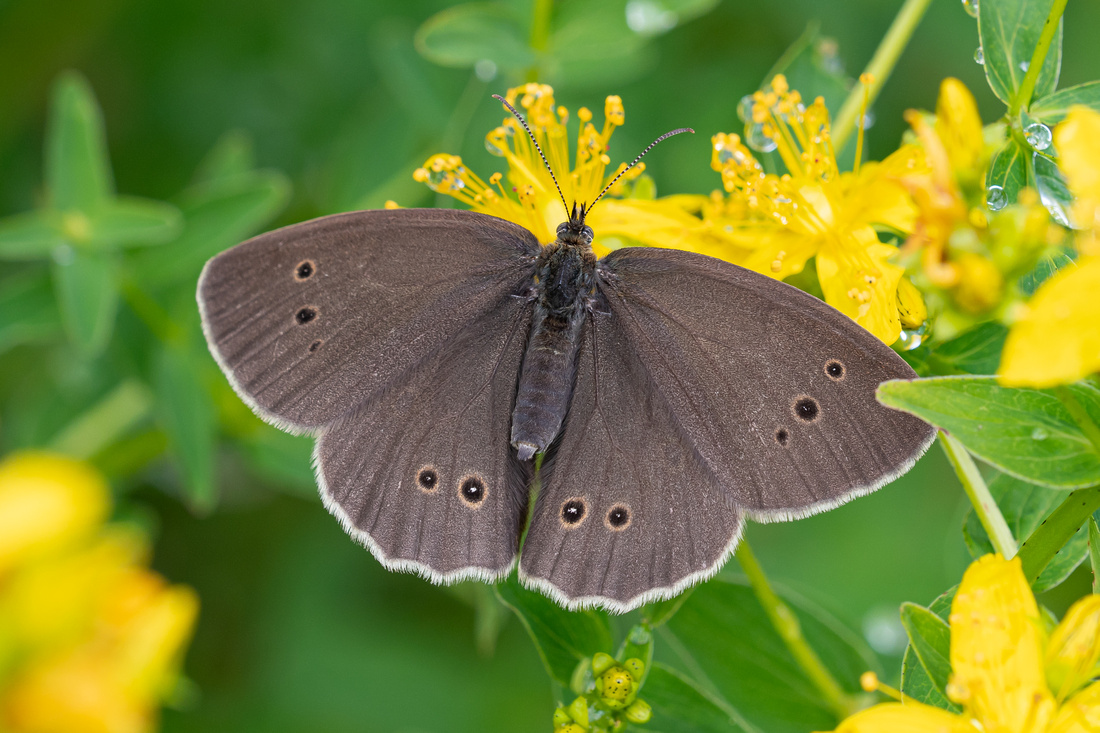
(979, 56)
(996, 198)
(911, 338)
(1039, 434)
(971, 7)
(1038, 136)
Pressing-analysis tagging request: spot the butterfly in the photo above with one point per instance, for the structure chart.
(438, 356)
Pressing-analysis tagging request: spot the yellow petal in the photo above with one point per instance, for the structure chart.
(1078, 143)
(997, 647)
(1081, 714)
(652, 223)
(858, 280)
(911, 308)
(1058, 339)
(46, 502)
(908, 717)
(958, 126)
(876, 195)
(1074, 648)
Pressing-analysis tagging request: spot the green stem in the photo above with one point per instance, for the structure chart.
(1022, 98)
(989, 514)
(790, 630)
(882, 63)
(105, 422)
(1079, 415)
(1057, 529)
(540, 34)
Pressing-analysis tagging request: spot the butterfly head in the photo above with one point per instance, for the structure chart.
(575, 231)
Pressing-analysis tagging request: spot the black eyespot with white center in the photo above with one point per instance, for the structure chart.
(427, 479)
(618, 518)
(806, 409)
(305, 315)
(834, 370)
(782, 436)
(573, 512)
(304, 270)
(471, 489)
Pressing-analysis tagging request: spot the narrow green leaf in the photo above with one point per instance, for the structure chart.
(231, 157)
(659, 613)
(188, 417)
(1009, 31)
(977, 351)
(1094, 554)
(87, 296)
(917, 684)
(1047, 178)
(1008, 169)
(680, 706)
(930, 639)
(28, 309)
(1028, 433)
(111, 418)
(128, 221)
(563, 638)
(465, 34)
(78, 172)
(1053, 108)
(1063, 524)
(30, 236)
(1024, 506)
(812, 66)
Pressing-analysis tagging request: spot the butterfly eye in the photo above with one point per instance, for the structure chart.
(806, 409)
(782, 436)
(305, 315)
(834, 370)
(304, 270)
(573, 512)
(472, 491)
(428, 479)
(618, 518)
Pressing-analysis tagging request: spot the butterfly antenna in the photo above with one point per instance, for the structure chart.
(536, 142)
(652, 145)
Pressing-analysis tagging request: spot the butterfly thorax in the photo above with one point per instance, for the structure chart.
(565, 280)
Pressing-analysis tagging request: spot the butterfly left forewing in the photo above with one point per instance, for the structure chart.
(627, 513)
(422, 474)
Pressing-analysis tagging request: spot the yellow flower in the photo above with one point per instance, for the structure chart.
(1007, 676)
(90, 639)
(1056, 339)
(535, 203)
(774, 224)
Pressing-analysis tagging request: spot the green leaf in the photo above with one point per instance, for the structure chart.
(1009, 32)
(812, 67)
(1053, 108)
(216, 216)
(563, 638)
(128, 221)
(28, 309)
(681, 706)
(1025, 506)
(30, 236)
(1094, 554)
(1047, 178)
(930, 640)
(659, 613)
(722, 639)
(231, 157)
(1028, 433)
(283, 460)
(78, 172)
(87, 296)
(465, 34)
(592, 44)
(917, 684)
(1047, 265)
(1008, 169)
(188, 417)
(977, 351)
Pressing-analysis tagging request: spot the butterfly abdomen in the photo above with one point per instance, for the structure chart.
(565, 277)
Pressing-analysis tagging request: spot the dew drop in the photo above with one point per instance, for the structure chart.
(868, 120)
(1039, 434)
(911, 338)
(649, 18)
(744, 108)
(971, 7)
(486, 70)
(436, 177)
(458, 184)
(995, 198)
(1038, 136)
(493, 149)
(1024, 66)
(979, 56)
(757, 140)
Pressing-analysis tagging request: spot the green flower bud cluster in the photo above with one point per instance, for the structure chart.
(609, 700)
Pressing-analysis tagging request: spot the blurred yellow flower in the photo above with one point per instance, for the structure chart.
(1056, 340)
(90, 639)
(536, 204)
(1006, 674)
(774, 224)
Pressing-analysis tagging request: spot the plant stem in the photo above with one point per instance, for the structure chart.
(882, 63)
(790, 630)
(1057, 529)
(540, 34)
(1022, 98)
(105, 422)
(989, 514)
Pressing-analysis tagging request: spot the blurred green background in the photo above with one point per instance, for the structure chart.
(301, 630)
